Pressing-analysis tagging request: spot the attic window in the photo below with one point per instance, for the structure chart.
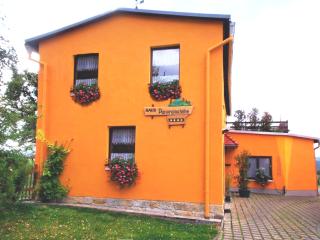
(165, 65)
(86, 69)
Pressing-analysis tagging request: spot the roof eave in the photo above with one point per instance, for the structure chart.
(34, 41)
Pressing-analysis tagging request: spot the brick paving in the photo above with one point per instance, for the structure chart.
(265, 216)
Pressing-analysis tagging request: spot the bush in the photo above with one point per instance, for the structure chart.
(14, 171)
(243, 164)
(50, 188)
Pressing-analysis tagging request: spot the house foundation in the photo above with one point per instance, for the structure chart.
(151, 207)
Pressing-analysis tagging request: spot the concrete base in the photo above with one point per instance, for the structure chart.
(185, 210)
(302, 193)
(264, 191)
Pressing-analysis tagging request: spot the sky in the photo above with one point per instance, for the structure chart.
(275, 56)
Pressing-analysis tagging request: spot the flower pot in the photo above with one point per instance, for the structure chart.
(244, 193)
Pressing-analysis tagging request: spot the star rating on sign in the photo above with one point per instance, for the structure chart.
(176, 120)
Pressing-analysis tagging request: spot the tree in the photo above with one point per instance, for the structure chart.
(18, 104)
(18, 109)
(8, 55)
(254, 119)
(266, 120)
(240, 116)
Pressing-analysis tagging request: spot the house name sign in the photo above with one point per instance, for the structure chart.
(175, 115)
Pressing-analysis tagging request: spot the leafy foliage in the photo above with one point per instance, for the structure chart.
(242, 160)
(18, 109)
(254, 119)
(85, 94)
(123, 172)
(8, 56)
(164, 91)
(14, 169)
(252, 122)
(266, 120)
(50, 188)
(240, 116)
(18, 103)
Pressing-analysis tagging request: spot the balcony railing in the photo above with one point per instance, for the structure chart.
(276, 126)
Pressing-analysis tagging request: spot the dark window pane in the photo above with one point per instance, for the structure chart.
(165, 65)
(264, 163)
(122, 143)
(252, 168)
(86, 69)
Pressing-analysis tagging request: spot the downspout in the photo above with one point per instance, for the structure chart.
(42, 107)
(207, 127)
(315, 148)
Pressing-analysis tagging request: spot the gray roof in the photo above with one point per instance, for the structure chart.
(34, 41)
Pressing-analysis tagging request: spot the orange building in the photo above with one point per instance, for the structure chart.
(129, 54)
(287, 159)
(132, 62)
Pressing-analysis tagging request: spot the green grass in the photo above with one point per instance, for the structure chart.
(35, 221)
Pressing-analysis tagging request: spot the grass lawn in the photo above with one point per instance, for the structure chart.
(33, 221)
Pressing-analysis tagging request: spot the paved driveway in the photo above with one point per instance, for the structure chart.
(273, 217)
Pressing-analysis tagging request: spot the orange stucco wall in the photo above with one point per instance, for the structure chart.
(170, 161)
(293, 160)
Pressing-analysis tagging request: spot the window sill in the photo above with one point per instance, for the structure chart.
(252, 180)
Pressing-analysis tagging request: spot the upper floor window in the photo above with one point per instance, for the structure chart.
(165, 65)
(262, 163)
(122, 143)
(86, 69)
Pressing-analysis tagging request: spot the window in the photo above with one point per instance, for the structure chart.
(259, 162)
(122, 143)
(165, 65)
(86, 69)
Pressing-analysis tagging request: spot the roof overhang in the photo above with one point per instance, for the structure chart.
(229, 142)
(34, 41)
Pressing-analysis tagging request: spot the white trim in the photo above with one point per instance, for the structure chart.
(275, 134)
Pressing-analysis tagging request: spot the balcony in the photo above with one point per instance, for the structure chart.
(274, 126)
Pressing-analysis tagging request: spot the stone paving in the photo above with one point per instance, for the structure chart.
(272, 217)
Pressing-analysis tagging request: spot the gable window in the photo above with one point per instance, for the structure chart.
(260, 163)
(165, 65)
(122, 143)
(86, 69)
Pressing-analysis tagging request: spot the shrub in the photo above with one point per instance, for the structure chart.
(50, 188)
(243, 164)
(123, 172)
(14, 171)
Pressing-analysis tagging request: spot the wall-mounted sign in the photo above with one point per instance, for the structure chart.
(175, 115)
